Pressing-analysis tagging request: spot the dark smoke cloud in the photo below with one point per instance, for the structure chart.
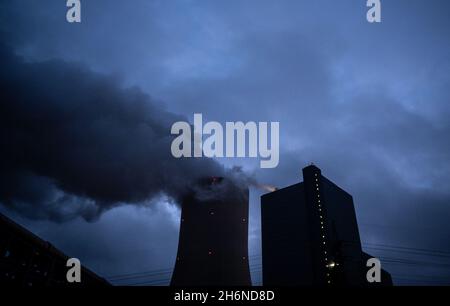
(76, 143)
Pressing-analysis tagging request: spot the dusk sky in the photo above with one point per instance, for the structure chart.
(369, 104)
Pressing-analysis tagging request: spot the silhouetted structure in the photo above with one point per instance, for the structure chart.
(213, 242)
(27, 260)
(310, 236)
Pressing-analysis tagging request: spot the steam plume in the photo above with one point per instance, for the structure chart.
(76, 143)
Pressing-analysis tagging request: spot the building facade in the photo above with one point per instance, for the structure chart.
(310, 235)
(28, 261)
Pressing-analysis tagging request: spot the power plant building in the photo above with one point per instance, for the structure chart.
(310, 236)
(28, 261)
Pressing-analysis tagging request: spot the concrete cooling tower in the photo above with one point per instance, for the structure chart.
(213, 241)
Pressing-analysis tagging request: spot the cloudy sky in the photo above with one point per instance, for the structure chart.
(367, 103)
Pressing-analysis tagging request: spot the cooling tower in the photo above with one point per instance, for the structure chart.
(213, 241)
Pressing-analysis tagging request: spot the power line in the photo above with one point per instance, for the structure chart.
(422, 228)
(135, 273)
(165, 280)
(411, 248)
(140, 275)
(421, 281)
(157, 271)
(257, 267)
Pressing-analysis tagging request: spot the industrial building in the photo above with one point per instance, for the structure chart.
(310, 236)
(28, 261)
(213, 241)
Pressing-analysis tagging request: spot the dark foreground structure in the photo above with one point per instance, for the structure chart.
(310, 236)
(213, 241)
(28, 261)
